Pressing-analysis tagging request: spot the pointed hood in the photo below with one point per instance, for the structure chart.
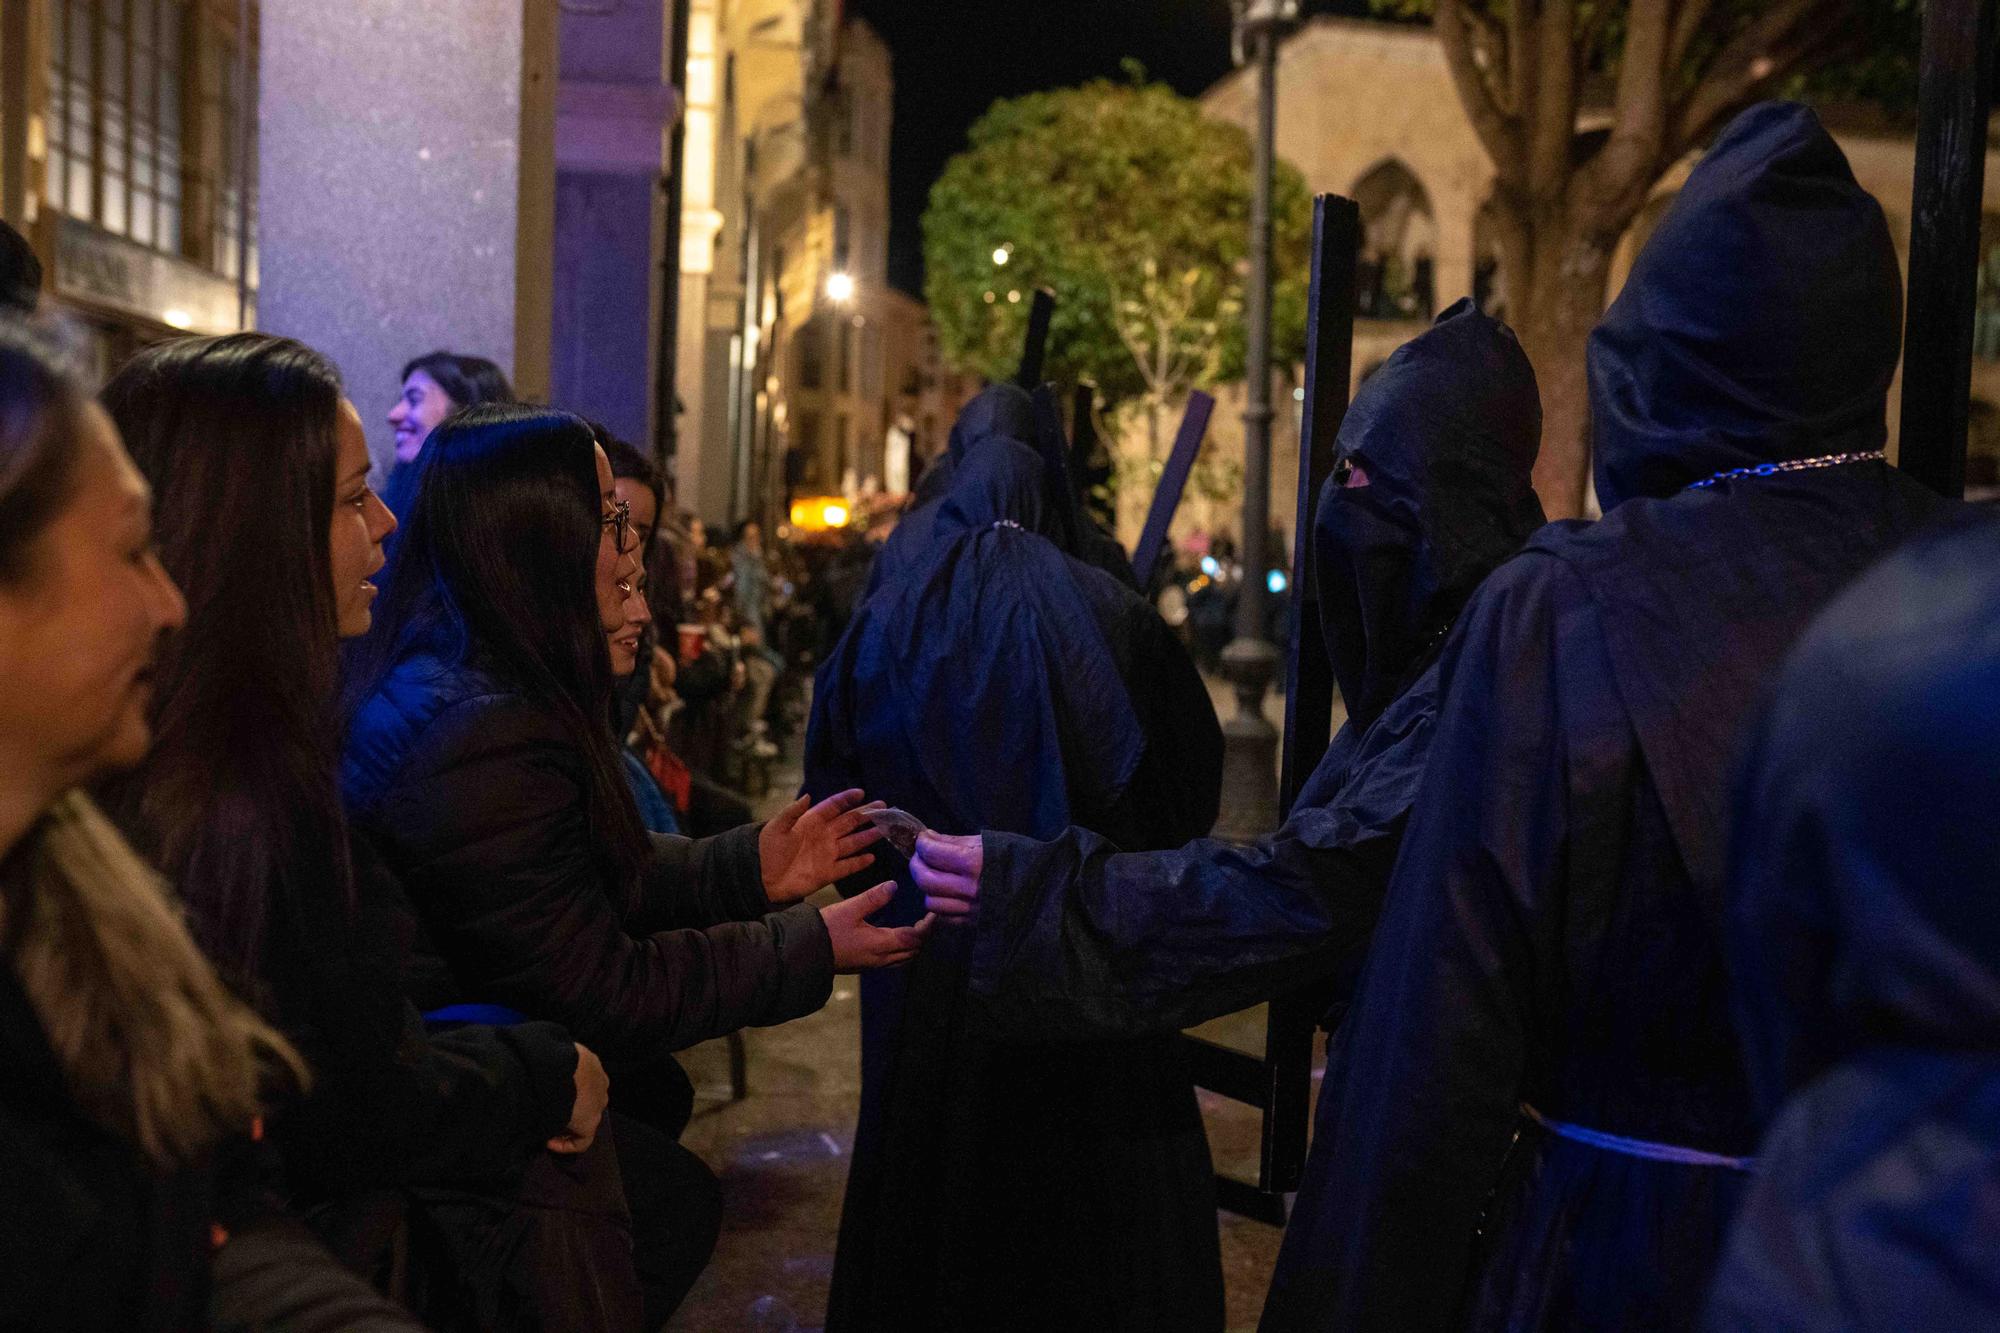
(1761, 322)
(1446, 434)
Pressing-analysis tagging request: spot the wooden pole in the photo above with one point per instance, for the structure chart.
(1280, 1084)
(1954, 95)
(1035, 348)
(1309, 685)
(1293, 1019)
(1173, 481)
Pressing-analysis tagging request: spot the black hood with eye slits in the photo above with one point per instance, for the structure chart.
(1446, 433)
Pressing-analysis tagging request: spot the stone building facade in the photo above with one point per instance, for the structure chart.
(1368, 110)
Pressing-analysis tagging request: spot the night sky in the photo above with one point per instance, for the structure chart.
(954, 57)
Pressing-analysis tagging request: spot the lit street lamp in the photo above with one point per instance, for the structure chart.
(1250, 769)
(840, 288)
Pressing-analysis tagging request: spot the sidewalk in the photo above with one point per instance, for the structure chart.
(782, 1152)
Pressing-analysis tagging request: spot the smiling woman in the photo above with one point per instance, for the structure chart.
(130, 1078)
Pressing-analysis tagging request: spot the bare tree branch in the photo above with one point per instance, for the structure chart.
(1632, 157)
(1552, 129)
(1489, 41)
(1499, 133)
(1687, 26)
(1521, 63)
(1773, 46)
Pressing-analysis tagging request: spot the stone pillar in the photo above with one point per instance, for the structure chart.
(614, 110)
(406, 186)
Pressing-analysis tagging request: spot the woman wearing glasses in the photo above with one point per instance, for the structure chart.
(481, 765)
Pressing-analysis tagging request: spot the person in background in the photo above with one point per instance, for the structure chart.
(434, 386)
(20, 273)
(481, 766)
(1865, 952)
(249, 444)
(132, 1082)
(1537, 1109)
(1001, 1184)
(750, 583)
(1431, 490)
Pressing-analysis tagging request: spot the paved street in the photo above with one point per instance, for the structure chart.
(782, 1158)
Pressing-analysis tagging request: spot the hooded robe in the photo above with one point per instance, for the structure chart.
(1077, 938)
(999, 411)
(1549, 952)
(1000, 682)
(1866, 952)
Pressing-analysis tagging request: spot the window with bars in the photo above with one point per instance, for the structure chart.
(145, 124)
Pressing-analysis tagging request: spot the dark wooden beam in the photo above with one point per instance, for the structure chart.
(1293, 1020)
(1034, 349)
(1955, 93)
(1173, 481)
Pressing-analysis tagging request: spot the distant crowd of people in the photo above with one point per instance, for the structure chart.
(365, 860)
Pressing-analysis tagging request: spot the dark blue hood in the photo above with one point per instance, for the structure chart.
(1864, 904)
(1761, 322)
(1446, 432)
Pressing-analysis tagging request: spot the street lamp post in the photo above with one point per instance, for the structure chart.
(1250, 769)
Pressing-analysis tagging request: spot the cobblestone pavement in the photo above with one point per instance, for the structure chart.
(781, 1154)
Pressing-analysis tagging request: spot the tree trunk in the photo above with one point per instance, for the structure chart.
(1556, 270)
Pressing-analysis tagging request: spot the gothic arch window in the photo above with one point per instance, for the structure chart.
(1398, 244)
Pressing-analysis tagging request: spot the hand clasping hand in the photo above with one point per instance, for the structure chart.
(947, 867)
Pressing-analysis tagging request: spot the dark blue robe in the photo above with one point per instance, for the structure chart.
(998, 681)
(1865, 945)
(1079, 937)
(1551, 936)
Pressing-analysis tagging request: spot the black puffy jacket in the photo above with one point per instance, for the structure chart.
(474, 796)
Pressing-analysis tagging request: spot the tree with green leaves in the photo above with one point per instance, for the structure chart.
(1676, 72)
(1135, 209)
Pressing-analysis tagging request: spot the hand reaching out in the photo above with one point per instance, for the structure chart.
(809, 846)
(860, 947)
(593, 1093)
(947, 868)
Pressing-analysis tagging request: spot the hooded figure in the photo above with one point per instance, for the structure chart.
(1534, 1116)
(1077, 938)
(997, 412)
(1000, 1185)
(1866, 953)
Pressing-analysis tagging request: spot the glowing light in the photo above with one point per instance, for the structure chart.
(840, 287)
(1000, 256)
(1211, 566)
(1276, 582)
(991, 298)
(1013, 298)
(818, 513)
(177, 318)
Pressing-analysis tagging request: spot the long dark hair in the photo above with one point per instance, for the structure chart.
(467, 380)
(497, 568)
(239, 800)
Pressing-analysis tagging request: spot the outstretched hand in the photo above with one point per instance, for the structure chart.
(947, 867)
(807, 847)
(860, 947)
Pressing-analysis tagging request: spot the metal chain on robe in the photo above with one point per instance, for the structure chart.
(1008, 523)
(1789, 465)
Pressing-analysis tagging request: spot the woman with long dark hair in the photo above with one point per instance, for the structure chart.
(131, 1080)
(251, 447)
(481, 762)
(435, 385)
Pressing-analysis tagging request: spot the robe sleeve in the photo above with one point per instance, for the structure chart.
(1078, 941)
(1434, 1054)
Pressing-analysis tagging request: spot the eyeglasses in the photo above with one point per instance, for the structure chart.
(619, 520)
